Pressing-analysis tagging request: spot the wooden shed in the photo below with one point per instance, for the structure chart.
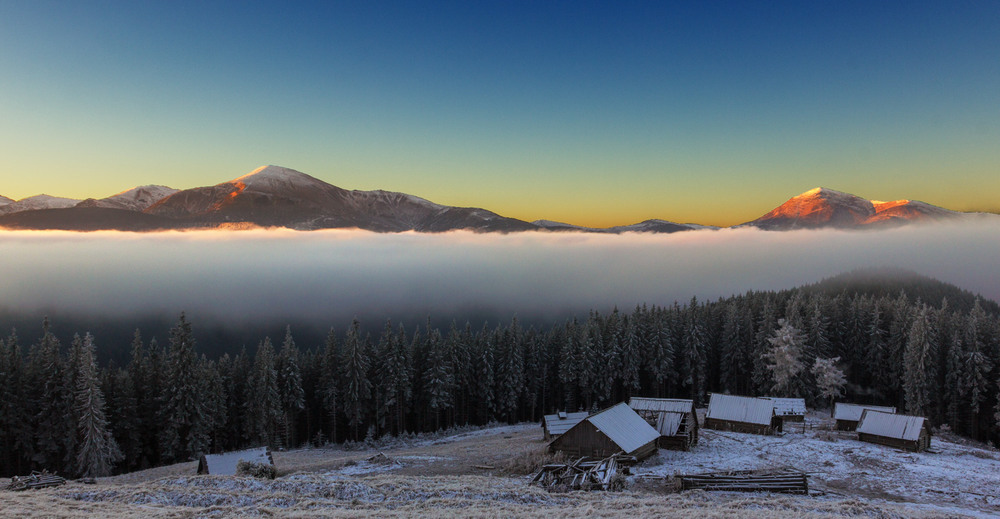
(848, 415)
(789, 409)
(554, 425)
(225, 464)
(895, 430)
(613, 430)
(675, 419)
(742, 414)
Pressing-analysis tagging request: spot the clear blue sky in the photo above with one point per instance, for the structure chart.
(594, 113)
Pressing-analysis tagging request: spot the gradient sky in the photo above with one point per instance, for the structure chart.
(591, 113)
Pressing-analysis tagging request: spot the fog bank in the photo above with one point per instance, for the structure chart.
(334, 275)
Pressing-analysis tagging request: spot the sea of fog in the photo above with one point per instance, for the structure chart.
(336, 275)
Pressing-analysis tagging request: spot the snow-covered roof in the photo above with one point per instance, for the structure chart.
(891, 425)
(561, 422)
(225, 464)
(789, 406)
(743, 409)
(668, 422)
(674, 405)
(624, 427)
(852, 412)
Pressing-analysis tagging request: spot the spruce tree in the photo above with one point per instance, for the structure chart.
(920, 347)
(182, 435)
(262, 396)
(293, 398)
(330, 382)
(354, 373)
(97, 451)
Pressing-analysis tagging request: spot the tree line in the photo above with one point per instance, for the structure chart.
(61, 412)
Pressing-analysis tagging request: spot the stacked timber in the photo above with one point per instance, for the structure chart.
(583, 474)
(35, 480)
(786, 482)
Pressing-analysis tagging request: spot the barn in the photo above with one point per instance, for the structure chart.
(848, 415)
(225, 464)
(555, 424)
(611, 431)
(741, 414)
(789, 409)
(675, 419)
(895, 430)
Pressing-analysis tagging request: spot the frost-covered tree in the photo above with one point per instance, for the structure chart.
(785, 359)
(830, 380)
(97, 451)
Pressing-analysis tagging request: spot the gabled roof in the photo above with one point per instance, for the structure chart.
(852, 412)
(225, 464)
(890, 425)
(673, 405)
(788, 406)
(624, 427)
(668, 422)
(743, 409)
(559, 423)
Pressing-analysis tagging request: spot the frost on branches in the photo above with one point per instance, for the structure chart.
(784, 358)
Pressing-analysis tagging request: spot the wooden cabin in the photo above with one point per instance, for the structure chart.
(848, 415)
(617, 429)
(789, 409)
(742, 414)
(556, 424)
(675, 419)
(895, 430)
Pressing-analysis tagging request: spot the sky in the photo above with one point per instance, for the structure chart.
(593, 113)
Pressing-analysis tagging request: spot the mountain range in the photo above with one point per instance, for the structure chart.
(273, 196)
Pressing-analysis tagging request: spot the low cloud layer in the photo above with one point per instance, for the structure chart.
(335, 275)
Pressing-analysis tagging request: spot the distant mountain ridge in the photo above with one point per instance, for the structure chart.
(274, 196)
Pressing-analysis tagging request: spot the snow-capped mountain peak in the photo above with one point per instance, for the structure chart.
(38, 202)
(824, 207)
(4, 200)
(270, 178)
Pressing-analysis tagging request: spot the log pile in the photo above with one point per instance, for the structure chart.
(784, 482)
(583, 474)
(35, 480)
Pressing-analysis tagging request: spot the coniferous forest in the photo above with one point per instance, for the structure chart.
(918, 344)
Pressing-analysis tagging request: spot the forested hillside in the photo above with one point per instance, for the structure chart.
(169, 402)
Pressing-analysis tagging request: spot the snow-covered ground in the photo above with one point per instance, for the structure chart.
(956, 476)
(447, 475)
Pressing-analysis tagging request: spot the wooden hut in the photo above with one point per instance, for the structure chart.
(741, 414)
(617, 429)
(225, 464)
(556, 424)
(789, 409)
(675, 419)
(895, 430)
(848, 415)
